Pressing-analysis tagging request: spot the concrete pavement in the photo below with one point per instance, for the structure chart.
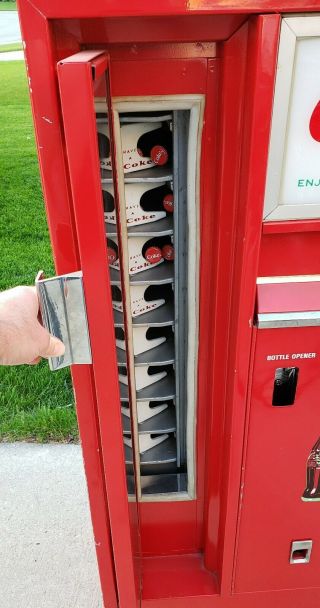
(9, 27)
(11, 55)
(47, 554)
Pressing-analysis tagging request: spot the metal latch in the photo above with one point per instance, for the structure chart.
(63, 311)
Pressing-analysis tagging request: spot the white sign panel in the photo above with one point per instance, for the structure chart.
(293, 177)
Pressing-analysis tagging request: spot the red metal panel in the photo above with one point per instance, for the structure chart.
(292, 297)
(297, 598)
(262, 52)
(206, 461)
(279, 442)
(50, 144)
(75, 81)
(169, 527)
(135, 30)
(290, 253)
(176, 577)
(174, 77)
(101, 8)
(221, 234)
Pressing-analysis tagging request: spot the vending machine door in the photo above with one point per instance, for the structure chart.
(79, 77)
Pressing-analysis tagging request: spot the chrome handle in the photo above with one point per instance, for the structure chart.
(63, 311)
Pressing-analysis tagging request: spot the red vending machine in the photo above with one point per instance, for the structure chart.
(179, 148)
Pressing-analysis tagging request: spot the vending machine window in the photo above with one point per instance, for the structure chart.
(157, 160)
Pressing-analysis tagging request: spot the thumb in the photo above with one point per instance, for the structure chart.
(55, 348)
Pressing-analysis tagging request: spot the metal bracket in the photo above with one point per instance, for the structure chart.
(63, 311)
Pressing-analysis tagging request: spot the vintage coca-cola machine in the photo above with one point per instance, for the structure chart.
(179, 148)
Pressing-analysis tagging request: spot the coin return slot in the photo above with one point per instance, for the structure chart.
(285, 386)
(301, 552)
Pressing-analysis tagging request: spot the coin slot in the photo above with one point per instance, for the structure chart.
(285, 386)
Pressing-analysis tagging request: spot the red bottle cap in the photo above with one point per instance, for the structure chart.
(159, 155)
(168, 203)
(168, 252)
(112, 255)
(153, 255)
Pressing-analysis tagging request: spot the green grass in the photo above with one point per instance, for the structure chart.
(13, 46)
(35, 404)
(8, 6)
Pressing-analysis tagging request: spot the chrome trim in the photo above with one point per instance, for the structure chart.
(63, 311)
(287, 319)
(300, 551)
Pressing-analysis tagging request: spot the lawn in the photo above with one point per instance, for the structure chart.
(12, 46)
(35, 404)
(8, 6)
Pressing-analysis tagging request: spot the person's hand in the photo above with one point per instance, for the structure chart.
(22, 338)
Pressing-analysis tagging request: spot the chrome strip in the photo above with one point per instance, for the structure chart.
(288, 319)
(63, 313)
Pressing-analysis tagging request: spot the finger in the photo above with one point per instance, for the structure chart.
(54, 348)
(35, 361)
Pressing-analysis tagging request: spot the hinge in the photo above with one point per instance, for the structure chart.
(63, 311)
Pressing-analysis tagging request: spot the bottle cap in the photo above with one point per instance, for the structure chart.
(112, 255)
(153, 255)
(168, 202)
(168, 252)
(159, 155)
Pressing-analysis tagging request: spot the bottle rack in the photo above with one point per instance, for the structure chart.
(153, 391)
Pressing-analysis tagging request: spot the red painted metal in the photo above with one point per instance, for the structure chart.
(76, 81)
(262, 52)
(288, 297)
(290, 253)
(125, 8)
(240, 258)
(272, 512)
(222, 227)
(292, 226)
(49, 136)
(151, 29)
(227, 53)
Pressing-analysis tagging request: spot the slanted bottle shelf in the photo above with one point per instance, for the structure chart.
(160, 355)
(162, 316)
(164, 484)
(161, 391)
(164, 452)
(159, 275)
(158, 228)
(129, 117)
(154, 174)
(164, 422)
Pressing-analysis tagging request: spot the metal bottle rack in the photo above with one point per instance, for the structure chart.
(158, 407)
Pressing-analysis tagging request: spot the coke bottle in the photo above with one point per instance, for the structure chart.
(157, 199)
(156, 144)
(108, 201)
(312, 491)
(158, 248)
(112, 251)
(103, 145)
